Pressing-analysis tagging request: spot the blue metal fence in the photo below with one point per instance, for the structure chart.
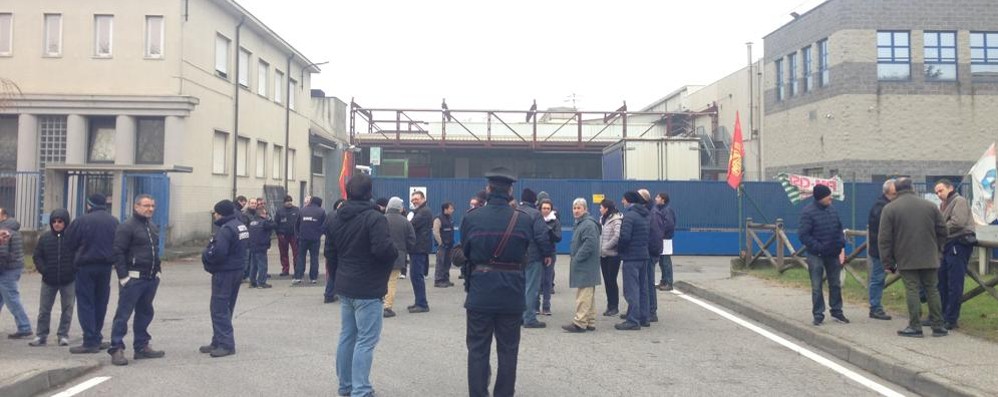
(155, 185)
(706, 211)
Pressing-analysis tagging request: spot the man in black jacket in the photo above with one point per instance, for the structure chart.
(92, 235)
(656, 233)
(310, 229)
(286, 219)
(223, 258)
(443, 233)
(360, 248)
(54, 260)
(136, 261)
(422, 222)
(495, 245)
(877, 273)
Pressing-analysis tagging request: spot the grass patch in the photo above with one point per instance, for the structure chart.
(978, 316)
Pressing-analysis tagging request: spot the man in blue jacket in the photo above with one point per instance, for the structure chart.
(310, 229)
(92, 235)
(633, 249)
(656, 232)
(822, 234)
(260, 228)
(224, 258)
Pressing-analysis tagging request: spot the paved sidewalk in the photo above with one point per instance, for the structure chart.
(954, 365)
(22, 375)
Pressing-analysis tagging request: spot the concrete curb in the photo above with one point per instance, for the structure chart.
(38, 381)
(924, 383)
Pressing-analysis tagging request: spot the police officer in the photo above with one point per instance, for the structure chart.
(223, 258)
(136, 253)
(495, 238)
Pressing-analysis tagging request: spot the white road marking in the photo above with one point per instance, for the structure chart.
(881, 389)
(80, 388)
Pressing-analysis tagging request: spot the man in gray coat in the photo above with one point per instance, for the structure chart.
(912, 234)
(584, 271)
(404, 237)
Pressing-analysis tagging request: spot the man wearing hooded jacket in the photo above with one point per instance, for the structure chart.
(54, 260)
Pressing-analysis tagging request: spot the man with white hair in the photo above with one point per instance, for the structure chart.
(877, 273)
(584, 271)
(404, 238)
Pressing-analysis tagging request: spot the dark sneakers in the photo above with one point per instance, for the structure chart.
(610, 312)
(148, 352)
(206, 349)
(84, 350)
(221, 352)
(264, 286)
(951, 326)
(332, 299)
(879, 315)
(20, 335)
(418, 309)
(817, 321)
(937, 332)
(389, 313)
(535, 324)
(839, 318)
(118, 357)
(573, 328)
(627, 326)
(910, 333)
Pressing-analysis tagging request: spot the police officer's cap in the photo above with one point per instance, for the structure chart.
(501, 174)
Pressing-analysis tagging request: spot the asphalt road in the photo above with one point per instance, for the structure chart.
(286, 341)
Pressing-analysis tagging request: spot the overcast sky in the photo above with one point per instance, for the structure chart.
(502, 55)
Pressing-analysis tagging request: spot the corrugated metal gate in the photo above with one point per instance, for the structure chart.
(707, 211)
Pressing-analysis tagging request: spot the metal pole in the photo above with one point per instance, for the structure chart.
(235, 117)
(751, 112)
(287, 121)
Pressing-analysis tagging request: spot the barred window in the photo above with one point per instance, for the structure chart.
(51, 140)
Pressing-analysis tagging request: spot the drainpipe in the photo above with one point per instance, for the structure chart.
(235, 117)
(287, 120)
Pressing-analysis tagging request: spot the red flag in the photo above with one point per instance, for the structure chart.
(735, 168)
(345, 173)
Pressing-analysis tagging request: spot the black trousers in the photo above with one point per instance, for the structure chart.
(481, 327)
(224, 292)
(610, 266)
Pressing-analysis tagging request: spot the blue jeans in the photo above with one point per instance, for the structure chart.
(304, 247)
(650, 283)
(12, 298)
(136, 296)
(665, 263)
(952, 273)
(420, 265)
(821, 266)
(634, 274)
(359, 333)
(877, 280)
(547, 286)
(93, 290)
(224, 291)
(531, 290)
(258, 268)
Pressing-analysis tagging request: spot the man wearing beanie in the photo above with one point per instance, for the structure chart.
(632, 246)
(404, 238)
(286, 219)
(93, 236)
(359, 247)
(224, 258)
(535, 269)
(821, 233)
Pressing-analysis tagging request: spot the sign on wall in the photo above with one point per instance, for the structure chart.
(375, 156)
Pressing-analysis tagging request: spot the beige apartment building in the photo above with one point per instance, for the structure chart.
(192, 101)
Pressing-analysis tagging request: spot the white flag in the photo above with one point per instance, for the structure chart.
(983, 180)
